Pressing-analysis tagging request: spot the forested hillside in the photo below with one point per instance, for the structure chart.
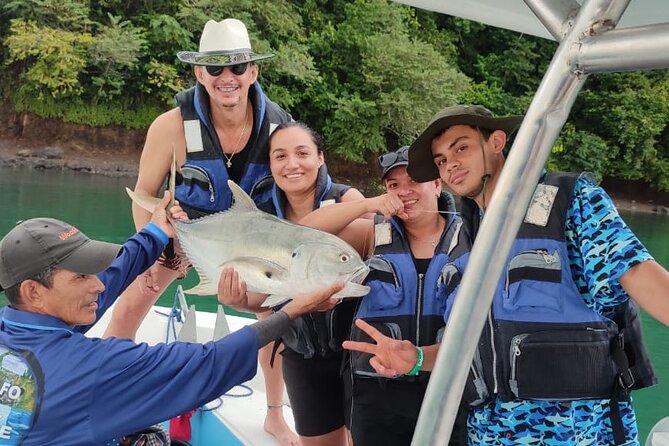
(367, 74)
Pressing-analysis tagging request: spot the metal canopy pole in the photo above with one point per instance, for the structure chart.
(554, 15)
(544, 120)
(639, 48)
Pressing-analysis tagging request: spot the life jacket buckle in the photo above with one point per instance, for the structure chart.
(626, 380)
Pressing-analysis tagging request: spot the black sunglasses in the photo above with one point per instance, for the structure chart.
(391, 158)
(237, 69)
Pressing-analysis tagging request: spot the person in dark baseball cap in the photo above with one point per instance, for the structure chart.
(38, 244)
(74, 389)
(390, 160)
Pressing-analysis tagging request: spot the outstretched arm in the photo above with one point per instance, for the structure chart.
(391, 357)
(164, 134)
(344, 219)
(647, 283)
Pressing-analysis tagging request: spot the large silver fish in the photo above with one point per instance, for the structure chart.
(272, 255)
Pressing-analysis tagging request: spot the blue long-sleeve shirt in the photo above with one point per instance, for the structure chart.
(58, 387)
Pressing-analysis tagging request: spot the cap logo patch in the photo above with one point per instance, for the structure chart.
(66, 235)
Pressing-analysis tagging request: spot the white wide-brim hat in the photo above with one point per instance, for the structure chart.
(223, 43)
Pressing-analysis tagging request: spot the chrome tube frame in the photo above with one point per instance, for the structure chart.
(555, 16)
(639, 48)
(544, 119)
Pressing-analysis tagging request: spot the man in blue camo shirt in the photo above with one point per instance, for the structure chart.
(562, 347)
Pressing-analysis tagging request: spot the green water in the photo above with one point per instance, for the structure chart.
(99, 207)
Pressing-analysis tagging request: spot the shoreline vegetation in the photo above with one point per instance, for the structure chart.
(21, 153)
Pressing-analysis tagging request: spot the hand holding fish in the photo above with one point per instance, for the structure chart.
(319, 300)
(391, 357)
(232, 291)
(159, 216)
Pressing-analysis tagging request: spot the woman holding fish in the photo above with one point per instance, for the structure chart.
(312, 355)
(407, 247)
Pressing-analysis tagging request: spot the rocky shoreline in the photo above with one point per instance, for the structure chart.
(56, 158)
(125, 164)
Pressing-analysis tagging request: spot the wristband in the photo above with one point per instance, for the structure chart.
(419, 363)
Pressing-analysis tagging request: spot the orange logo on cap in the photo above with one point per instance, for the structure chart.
(68, 234)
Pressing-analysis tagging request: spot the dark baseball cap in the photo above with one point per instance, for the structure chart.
(34, 245)
(421, 163)
(390, 160)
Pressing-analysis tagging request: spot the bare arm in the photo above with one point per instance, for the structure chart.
(647, 283)
(345, 220)
(354, 194)
(165, 132)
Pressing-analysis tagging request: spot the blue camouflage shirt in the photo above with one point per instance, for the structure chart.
(594, 231)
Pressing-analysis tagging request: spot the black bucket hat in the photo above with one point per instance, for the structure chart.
(421, 165)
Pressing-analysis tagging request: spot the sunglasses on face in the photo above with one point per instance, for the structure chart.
(391, 158)
(237, 69)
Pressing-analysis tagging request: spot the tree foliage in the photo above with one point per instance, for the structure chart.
(368, 74)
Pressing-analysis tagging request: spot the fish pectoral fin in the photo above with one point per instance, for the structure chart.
(275, 300)
(269, 269)
(243, 202)
(352, 290)
(144, 201)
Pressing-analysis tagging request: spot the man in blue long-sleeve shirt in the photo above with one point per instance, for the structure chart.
(59, 387)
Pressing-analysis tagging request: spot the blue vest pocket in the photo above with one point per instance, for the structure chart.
(195, 188)
(533, 282)
(447, 286)
(385, 292)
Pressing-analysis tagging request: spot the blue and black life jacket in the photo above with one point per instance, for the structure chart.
(403, 303)
(320, 333)
(202, 186)
(541, 340)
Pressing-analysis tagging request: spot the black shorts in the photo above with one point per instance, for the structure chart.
(316, 392)
(385, 412)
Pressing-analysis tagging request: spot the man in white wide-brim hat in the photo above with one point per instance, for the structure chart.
(218, 131)
(223, 43)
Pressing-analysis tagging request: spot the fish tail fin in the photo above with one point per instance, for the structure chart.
(144, 201)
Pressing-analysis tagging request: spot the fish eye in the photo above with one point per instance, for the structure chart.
(344, 258)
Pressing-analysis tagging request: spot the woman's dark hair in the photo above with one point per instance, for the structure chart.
(315, 137)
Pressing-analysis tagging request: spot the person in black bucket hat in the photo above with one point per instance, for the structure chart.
(562, 349)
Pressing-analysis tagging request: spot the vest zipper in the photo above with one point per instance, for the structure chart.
(515, 353)
(419, 306)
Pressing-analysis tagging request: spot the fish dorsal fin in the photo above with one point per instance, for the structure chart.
(144, 201)
(274, 300)
(243, 201)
